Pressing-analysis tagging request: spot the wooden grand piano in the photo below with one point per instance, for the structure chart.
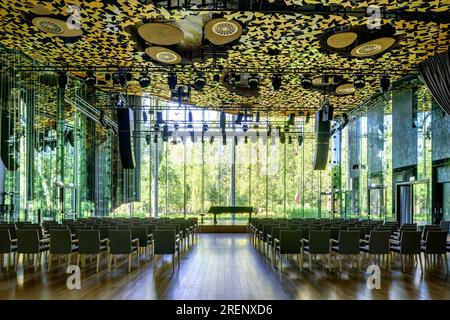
(215, 210)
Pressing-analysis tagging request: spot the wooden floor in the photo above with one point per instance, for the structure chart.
(222, 266)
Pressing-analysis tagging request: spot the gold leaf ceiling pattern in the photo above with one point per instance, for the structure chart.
(295, 36)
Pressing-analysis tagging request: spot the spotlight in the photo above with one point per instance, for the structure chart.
(62, 80)
(245, 128)
(358, 81)
(216, 77)
(190, 118)
(144, 81)
(245, 139)
(253, 81)
(90, 78)
(291, 119)
(222, 121)
(344, 120)
(308, 116)
(239, 118)
(224, 139)
(121, 78)
(148, 139)
(269, 130)
(257, 117)
(172, 80)
(276, 81)
(159, 117)
(300, 140)
(155, 139)
(205, 127)
(211, 139)
(199, 82)
(384, 83)
(165, 132)
(236, 140)
(289, 140)
(306, 82)
(282, 137)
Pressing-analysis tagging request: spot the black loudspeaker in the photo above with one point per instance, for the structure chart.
(327, 112)
(126, 126)
(322, 129)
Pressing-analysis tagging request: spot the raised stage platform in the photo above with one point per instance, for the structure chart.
(224, 226)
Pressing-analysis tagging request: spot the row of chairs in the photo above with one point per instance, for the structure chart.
(379, 244)
(75, 238)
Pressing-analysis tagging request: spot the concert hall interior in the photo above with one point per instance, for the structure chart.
(224, 150)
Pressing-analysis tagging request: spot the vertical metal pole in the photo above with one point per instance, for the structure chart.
(155, 181)
(284, 182)
(267, 177)
(60, 126)
(233, 172)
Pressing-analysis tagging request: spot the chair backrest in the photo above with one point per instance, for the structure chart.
(123, 227)
(436, 242)
(27, 241)
(268, 229)
(305, 232)
(290, 241)
(410, 242)
(349, 242)
(104, 231)
(120, 242)
(164, 241)
(334, 232)
(379, 242)
(276, 232)
(89, 242)
(77, 229)
(60, 241)
(428, 228)
(5, 241)
(34, 227)
(319, 242)
(12, 229)
(141, 234)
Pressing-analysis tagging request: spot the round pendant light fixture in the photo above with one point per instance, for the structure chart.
(56, 26)
(163, 55)
(221, 31)
(342, 39)
(161, 34)
(373, 47)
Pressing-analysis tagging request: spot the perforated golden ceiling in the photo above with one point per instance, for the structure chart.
(104, 42)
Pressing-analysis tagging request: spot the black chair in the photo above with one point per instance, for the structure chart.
(141, 233)
(318, 244)
(28, 242)
(120, 242)
(89, 243)
(166, 242)
(435, 246)
(7, 246)
(290, 242)
(61, 244)
(347, 245)
(378, 247)
(409, 246)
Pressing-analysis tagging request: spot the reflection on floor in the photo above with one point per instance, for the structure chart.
(222, 266)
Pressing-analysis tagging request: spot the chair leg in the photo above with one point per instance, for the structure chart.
(7, 261)
(1, 261)
(358, 264)
(138, 259)
(35, 262)
(301, 259)
(419, 257)
(446, 262)
(129, 262)
(310, 262)
(281, 262)
(178, 253)
(69, 259)
(173, 263)
(98, 261)
(83, 260)
(329, 262)
(340, 263)
(16, 261)
(26, 260)
(78, 259)
(109, 262)
(49, 262)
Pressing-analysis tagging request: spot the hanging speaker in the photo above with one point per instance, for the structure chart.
(322, 130)
(126, 127)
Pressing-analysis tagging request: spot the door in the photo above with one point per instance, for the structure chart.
(404, 203)
(376, 201)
